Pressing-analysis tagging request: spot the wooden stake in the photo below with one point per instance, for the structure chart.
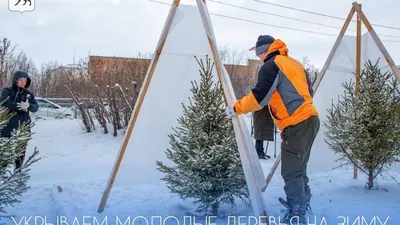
(138, 105)
(358, 70)
(358, 53)
(272, 171)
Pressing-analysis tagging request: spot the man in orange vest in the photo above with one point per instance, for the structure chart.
(284, 86)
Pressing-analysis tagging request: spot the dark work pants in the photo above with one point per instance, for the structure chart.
(20, 160)
(296, 146)
(260, 147)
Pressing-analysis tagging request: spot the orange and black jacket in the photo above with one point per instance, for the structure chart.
(282, 85)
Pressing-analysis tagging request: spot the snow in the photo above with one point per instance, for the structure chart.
(81, 162)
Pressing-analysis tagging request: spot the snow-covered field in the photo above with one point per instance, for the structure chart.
(81, 163)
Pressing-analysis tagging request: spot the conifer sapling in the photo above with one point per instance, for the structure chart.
(363, 127)
(13, 182)
(207, 165)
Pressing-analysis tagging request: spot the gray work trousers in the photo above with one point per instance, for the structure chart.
(296, 146)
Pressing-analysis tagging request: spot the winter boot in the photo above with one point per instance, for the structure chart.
(261, 155)
(294, 215)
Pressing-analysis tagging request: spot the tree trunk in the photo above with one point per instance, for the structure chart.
(370, 179)
(84, 116)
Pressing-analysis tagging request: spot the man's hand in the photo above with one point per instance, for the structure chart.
(230, 111)
(23, 105)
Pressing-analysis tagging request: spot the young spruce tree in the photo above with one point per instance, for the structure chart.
(204, 150)
(364, 126)
(13, 182)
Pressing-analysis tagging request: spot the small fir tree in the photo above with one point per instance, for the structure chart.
(364, 126)
(204, 150)
(13, 182)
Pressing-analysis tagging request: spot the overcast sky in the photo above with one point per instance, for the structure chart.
(129, 27)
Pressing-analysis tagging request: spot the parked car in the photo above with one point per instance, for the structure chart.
(50, 109)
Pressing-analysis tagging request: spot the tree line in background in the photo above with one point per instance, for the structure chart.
(105, 94)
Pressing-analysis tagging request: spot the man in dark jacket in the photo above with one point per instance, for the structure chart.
(20, 101)
(263, 126)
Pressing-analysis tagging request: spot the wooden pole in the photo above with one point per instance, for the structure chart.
(272, 172)
(138, 105)
(358, 70)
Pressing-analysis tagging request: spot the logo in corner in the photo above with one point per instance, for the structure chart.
(21, 5)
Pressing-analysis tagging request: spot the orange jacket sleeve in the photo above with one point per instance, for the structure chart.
(247, 104)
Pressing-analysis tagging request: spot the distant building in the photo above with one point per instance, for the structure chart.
(72, 70)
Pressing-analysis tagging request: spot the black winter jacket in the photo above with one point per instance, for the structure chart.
(17, 95)
(263, 125)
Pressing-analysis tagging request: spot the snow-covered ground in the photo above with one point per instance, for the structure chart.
(81, 163)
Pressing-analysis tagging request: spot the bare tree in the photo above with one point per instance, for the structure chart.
(311, 70)
(100, 111)
(84, 113)
(11, 61)
(23, 63)
(113, 82)
(6, 55)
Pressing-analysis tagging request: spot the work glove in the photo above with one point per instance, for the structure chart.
(230, 111)
(23, 106)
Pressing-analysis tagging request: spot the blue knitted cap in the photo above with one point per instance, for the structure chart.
(262, 44)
